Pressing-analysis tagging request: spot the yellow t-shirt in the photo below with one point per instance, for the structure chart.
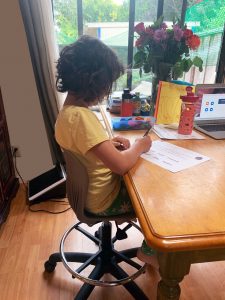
(78, 129)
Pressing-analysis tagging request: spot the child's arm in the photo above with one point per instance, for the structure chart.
(121, 161)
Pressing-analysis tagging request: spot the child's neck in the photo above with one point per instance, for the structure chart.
(72, 100)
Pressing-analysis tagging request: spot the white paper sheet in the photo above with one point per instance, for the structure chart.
(172, 157)
(164, 132)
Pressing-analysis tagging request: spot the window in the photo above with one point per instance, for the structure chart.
(207, 19)
(65, 18)
(109, 21)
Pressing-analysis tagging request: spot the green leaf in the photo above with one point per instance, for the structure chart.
(177, 70)
(158, 22)
(139, 58)
(149, 59)
(186, 64)
(198, 62)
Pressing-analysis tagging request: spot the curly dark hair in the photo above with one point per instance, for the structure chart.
(88, 68)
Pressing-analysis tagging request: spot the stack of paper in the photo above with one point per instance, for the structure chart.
(169, 133)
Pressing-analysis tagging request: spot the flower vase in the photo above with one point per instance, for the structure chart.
(163, 73)
(155, 83)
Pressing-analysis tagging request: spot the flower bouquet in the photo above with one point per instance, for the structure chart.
(161, 49)
(164, 51)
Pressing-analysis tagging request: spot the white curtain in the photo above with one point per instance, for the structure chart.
(52, 52)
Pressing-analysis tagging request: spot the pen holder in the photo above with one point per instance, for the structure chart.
(187, 112)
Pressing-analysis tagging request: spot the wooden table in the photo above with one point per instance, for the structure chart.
(182, 214)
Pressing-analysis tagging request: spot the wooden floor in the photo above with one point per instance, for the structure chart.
(27, 239)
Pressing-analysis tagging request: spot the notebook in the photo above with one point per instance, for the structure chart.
(210, 110)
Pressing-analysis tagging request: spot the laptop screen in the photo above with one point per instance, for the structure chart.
(211, 104)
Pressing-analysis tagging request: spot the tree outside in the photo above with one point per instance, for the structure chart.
(65, 14)
(209, 13)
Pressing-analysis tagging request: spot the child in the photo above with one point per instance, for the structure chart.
(86, 70)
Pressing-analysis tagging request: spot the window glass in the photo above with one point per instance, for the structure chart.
(172, 10)
(206, 19)
(65, 19)
(108, 21)
(146, 12)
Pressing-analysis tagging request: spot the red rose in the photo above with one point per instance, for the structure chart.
(139, 41)
(139, 28)
(188, 33)
(193, 42)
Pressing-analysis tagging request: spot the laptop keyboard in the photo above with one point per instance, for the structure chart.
(213, 127)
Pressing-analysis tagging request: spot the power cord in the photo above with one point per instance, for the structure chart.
(16, 169)
(48, 211)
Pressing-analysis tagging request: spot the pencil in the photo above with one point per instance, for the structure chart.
(147, 131)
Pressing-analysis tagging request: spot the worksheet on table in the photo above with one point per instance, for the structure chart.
(172, 157)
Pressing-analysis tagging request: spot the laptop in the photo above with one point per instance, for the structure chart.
(210, 110)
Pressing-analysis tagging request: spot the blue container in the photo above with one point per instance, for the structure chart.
(132, 123)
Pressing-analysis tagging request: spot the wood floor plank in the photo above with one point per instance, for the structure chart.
(27, 239)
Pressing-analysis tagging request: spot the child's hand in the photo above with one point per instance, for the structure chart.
(121, 143)
(145, 142)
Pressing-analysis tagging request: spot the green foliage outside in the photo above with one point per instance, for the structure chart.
(65, 18)
(210, 14)
(65, 14)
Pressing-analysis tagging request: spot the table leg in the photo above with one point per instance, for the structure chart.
(172, 267)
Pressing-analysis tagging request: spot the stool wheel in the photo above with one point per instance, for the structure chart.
(49, 267)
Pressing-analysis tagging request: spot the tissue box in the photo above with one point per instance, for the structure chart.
(115, 102)
(132, 123)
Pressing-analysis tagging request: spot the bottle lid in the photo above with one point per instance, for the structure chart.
(126, 94)
(190, 97)
(126, 91)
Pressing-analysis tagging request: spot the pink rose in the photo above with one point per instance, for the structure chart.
(160, 35)
(139, 28)
(178, 32)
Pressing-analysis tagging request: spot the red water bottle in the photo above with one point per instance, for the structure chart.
(127, 104)
(187, 112)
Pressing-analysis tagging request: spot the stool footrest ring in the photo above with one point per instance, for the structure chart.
(112, 265)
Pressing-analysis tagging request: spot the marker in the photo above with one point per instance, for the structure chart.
(147, 131)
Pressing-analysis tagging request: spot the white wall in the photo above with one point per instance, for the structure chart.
(20, 97)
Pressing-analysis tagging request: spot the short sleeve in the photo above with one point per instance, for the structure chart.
(87, 131)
